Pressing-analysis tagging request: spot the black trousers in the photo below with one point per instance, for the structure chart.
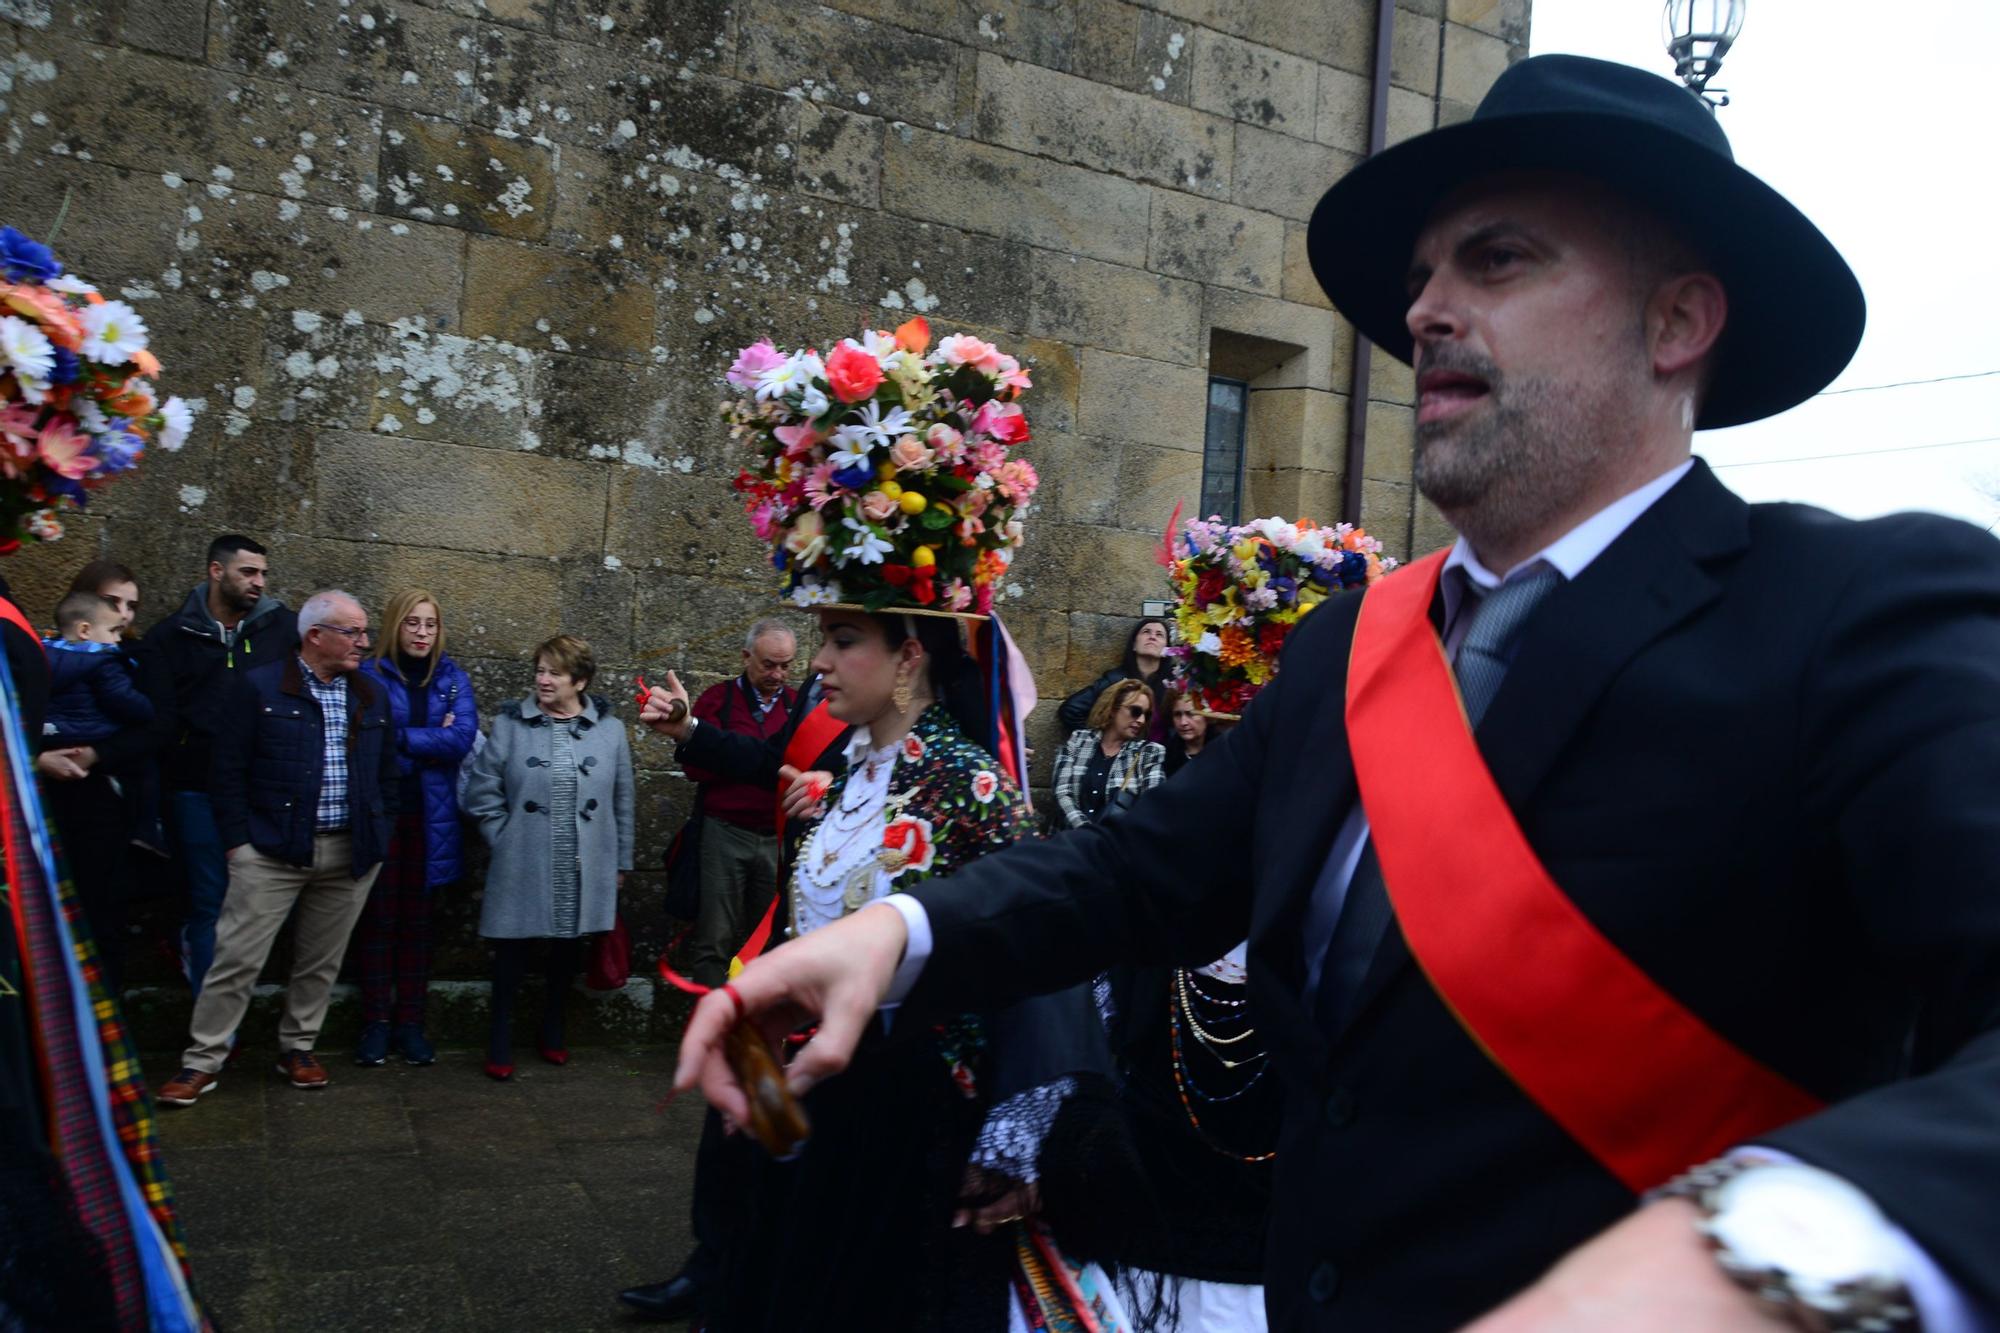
(721, 1187)
(91, 825)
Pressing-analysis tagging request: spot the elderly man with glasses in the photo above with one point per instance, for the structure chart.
(304, 784)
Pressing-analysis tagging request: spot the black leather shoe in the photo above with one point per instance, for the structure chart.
(676, 1298)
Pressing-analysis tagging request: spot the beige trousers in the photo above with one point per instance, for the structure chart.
(262, 892)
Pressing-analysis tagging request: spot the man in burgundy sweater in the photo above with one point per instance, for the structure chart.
(739, 844)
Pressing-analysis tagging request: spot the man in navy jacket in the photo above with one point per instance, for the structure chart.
(304, 783)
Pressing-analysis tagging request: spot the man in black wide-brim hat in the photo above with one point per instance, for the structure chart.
(1689, 861)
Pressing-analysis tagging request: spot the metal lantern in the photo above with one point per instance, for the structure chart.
(1698, 35)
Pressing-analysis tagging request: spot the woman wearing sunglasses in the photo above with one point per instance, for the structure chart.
(1105, 766)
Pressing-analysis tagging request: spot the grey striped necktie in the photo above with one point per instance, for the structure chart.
(1481, 664)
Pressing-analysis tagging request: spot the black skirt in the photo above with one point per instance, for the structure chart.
(856, 1231)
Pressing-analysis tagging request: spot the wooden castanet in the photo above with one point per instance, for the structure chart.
(777, 1121)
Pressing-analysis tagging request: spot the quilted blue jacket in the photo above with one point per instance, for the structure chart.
(434, 752)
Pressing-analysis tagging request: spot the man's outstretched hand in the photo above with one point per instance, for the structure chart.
(656, 709)
(835, 977)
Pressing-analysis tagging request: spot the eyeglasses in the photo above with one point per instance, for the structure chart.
(1137, 713)
(346, 631)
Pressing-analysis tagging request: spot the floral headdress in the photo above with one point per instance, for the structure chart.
(882, 475)
(77, 405)
(1243, 590)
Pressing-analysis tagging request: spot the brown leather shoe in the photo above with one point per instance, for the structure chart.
(302, 1069)
(185, 1088)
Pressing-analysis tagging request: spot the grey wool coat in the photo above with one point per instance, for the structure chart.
(507, 794)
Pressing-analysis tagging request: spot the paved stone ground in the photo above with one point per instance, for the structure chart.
(432, 1199)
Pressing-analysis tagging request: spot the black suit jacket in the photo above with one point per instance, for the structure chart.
(1758, 746)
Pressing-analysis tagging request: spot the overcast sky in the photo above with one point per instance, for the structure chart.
(1875, 120)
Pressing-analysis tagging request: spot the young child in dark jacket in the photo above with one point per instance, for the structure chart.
(94, 694)
(93, 685)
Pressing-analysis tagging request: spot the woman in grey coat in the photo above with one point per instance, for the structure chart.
(552, 793)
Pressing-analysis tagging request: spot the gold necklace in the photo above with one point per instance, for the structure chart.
(1208, 1039)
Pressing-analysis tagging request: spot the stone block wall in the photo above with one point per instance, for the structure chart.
(455, 279)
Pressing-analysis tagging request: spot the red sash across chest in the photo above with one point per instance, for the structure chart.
(1639, 1081)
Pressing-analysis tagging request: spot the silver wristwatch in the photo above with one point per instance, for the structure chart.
(1806, 1245)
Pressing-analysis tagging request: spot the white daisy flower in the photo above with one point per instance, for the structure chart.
(781, 379)
(177, 419)
(867, 548)
(815, 594)
(71, 284)
(853, 450)
(27, 350)
(112, 331)
(878, 427)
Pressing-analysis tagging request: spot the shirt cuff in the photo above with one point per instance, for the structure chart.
(1941, 1306)
(916, 951)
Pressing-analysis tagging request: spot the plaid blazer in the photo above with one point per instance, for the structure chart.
(1137, 766)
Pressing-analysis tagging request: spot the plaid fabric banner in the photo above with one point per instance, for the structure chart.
(100, 1124)
(74, 1132)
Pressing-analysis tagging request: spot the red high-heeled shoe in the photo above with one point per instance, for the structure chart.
(499, 1073)
(555, 1055)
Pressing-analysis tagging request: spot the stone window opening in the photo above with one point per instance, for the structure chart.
(1278, 472)
(1222, 448)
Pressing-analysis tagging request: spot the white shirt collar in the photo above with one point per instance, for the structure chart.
(861, 745)
(1572, 552)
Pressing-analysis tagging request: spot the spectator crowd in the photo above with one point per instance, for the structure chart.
(319, 767)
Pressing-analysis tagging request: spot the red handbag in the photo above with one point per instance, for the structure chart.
(610, 958)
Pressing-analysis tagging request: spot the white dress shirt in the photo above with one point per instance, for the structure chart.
(1942, 1308)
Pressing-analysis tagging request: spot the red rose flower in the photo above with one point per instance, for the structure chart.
(852, 373)
(912, 837)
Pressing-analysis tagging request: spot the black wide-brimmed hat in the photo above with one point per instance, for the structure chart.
(1795, 308)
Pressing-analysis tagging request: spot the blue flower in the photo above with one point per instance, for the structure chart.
(1286, 588)
(1353, 569)
(778, 559)
(25, 260)
(68, 366)
(854, 478)
(117, 451)
(58, 486)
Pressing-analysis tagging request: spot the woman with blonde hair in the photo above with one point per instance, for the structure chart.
(1104, 766)
(435, 719)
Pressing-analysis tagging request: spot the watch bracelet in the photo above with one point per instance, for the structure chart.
(1866, 1306)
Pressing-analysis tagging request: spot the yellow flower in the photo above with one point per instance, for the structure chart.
(912, 502)
(892, 489)
(923, 557)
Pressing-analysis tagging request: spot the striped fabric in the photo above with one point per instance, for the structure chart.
(74, 1132)
(100, 1126)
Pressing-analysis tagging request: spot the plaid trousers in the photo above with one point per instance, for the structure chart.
(393, 942)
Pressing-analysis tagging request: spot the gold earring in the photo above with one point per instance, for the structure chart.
(902, 694)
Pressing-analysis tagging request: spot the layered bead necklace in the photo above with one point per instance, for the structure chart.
(1220, 1025)
(837, 867)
